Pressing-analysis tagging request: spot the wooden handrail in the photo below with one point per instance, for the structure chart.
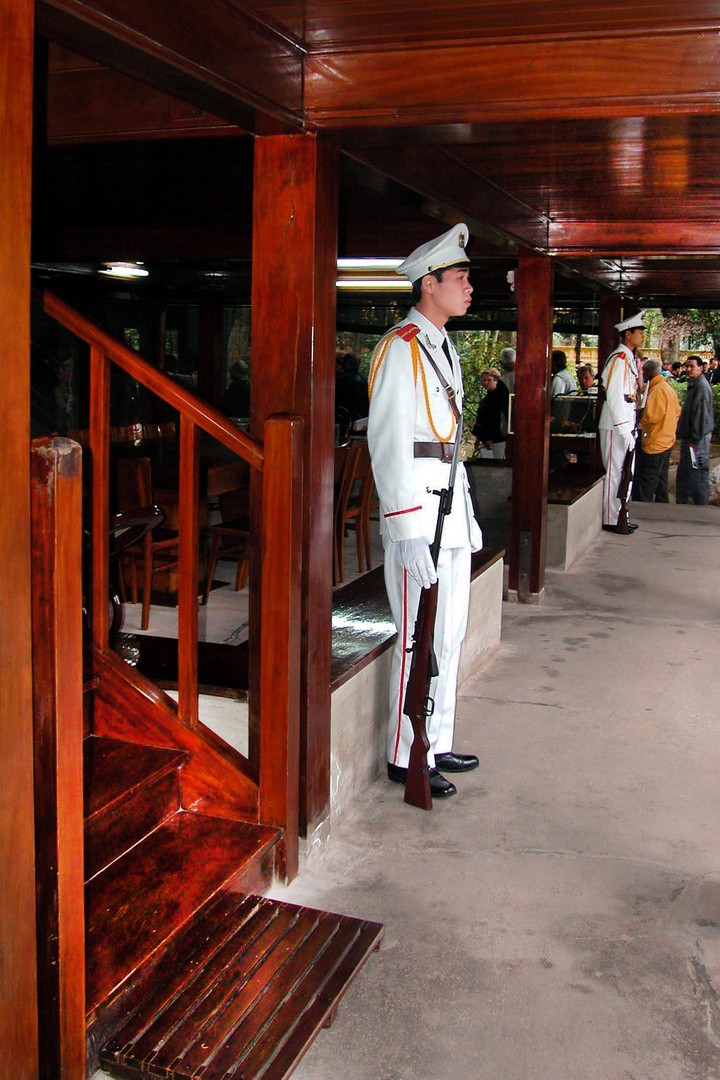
(205, 416)
(280, 459)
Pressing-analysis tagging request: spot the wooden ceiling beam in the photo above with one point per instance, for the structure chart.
(634, 238)
(443, 180)
(212, 55)
(95, 104)
(643, 75)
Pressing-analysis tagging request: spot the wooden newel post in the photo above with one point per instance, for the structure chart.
(531, 442)
(56, 501)
(280, 655)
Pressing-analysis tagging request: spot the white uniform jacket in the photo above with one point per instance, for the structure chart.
(408, 405)
(620, 379)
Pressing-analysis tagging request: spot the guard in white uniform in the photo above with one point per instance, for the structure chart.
(415, 389)
(621, 381)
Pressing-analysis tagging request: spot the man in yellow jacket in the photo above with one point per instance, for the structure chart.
(657, 436)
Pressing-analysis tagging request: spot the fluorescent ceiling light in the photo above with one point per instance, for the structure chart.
(373, 284)
(124, 271)
(368, 264)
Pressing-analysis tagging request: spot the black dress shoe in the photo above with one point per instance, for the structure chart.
(440, 788)
(456, 762)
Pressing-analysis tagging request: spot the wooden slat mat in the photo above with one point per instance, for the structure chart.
(247, 1000)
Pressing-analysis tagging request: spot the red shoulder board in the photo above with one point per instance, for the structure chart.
(407, 333)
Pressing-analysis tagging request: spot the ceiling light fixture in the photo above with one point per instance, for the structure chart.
(126, 271)
(376, 284)
(368, 264)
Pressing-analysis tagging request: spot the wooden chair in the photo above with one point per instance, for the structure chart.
(230, 539)
(352, 509)
(158, 549)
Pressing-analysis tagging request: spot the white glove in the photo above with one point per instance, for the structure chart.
(417, 560)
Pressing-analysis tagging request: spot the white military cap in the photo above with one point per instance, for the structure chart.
(635, 322)
(446, 250)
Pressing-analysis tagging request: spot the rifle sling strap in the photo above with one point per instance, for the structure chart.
(443, 382)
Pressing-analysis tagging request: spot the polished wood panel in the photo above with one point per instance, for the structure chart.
(363, 24)
(58, 707)
(88, 102)
(471, 81)
(293, 363)
(280, 646)
(188, 574)
(217, 779)
(18, 984)
(531, 442)
(100, 479)
(128, 791)
(171, 874)
(248, 996)
(196, 59)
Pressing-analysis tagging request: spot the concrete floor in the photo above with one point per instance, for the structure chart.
(560, 917)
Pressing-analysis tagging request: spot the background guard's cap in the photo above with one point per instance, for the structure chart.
(446, 250)
(635, 322)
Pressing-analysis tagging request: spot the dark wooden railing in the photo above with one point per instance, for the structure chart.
(279, 460)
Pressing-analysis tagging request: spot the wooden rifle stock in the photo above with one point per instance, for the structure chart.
(622, 492)
(418, 704)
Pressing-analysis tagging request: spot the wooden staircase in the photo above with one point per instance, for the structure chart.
(184, 969)
(160, 958)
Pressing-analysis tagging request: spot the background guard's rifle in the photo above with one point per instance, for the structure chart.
(622, 492)
(418, 703)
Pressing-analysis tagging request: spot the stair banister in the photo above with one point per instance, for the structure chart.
(279, 461)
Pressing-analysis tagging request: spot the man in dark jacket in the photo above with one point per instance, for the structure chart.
(694, 429)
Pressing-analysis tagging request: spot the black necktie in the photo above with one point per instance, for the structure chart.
(446, 350)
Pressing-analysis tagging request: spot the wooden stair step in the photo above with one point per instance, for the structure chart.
(129, 790)
(142, 899)
(246, 999)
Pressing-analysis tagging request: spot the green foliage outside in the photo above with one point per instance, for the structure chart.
(478, 350)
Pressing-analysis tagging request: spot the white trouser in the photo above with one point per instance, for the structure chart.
(613, 448)
(450, 624)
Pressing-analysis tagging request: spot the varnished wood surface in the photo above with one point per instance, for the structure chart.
(113, 769)
(280, 643)
(129, 790)
(531, 442)
(148, 894)
(217, 778)
(295, 227)
(250, 998)
(199, 60)
(18, 981)
(366, 24)
(58, 708)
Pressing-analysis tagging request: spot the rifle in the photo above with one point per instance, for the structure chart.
(622, 492)
(418, 704)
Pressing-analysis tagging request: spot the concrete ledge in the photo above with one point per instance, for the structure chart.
(359, 703)
(572, 526)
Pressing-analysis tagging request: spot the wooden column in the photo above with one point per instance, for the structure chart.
(18, 994)
(293, 371)
(531, 443)
(58, 697)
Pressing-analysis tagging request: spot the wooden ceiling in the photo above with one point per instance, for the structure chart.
(590, 132)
